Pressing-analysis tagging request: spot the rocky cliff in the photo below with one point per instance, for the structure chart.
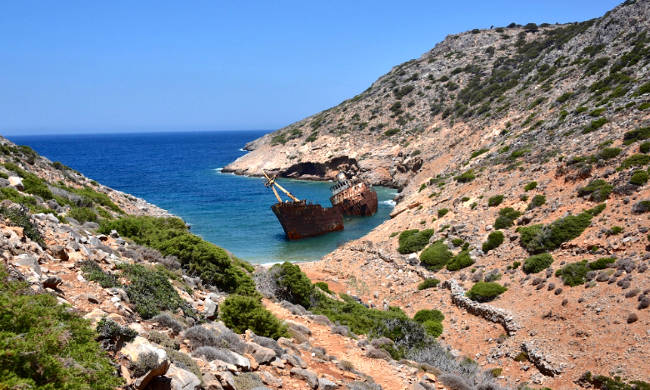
(508, 86)
(522, 155)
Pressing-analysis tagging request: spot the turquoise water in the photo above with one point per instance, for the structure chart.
(180, 172)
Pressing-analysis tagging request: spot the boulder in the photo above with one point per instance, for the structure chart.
(159, 370)
(140, 346)
(183, 379)
(262, 355)
(326, 384)
(308, 376)
(16, 182)
(377, 353)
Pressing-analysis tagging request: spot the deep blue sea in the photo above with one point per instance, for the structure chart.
(180, 173)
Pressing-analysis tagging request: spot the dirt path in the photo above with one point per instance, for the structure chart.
(387, 375)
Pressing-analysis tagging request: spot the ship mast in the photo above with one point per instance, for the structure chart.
(270, 182)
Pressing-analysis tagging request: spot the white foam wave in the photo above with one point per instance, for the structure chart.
(389, 202)
(242, 150)
(219, 169)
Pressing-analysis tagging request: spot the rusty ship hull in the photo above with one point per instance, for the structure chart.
(302, 220)
(358, 200)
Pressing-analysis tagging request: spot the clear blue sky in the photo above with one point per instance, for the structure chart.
(102, 66)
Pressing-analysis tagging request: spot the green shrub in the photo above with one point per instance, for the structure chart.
(465, 177)
(150, 292)
(515, 264)
(457, 242)
(537, 201)
(46, 345)
(506, 218)
(644, 147)
(598, 190)
(295, 285)
(639, 177)
(606, 383)
(537, 263)
(171, 237)
(20, 218)
(413, 240)
(112, 335)
(478, 153)
(442, 212)
(240, 312)
(495, 200)
(632, 136)
(493, 241)
(573, 274)
(601, 263)
(460, 261)
(92, 197)
(433, 328)
(594, 125)
(428, 283)
(485, 291)
(436, 255)
(82, 214)
(614, 230)
(323, 286)
(540, 238)
(391, 132)
(92, 271)
(428, 315)
(635, 160)
(608, 153)
(530, 186)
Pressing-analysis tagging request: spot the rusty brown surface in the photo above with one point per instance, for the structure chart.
(301, 219)
(359, 200)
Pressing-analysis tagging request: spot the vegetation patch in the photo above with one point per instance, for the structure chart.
(46, 345)
(493, 241)
(436, 256)
(428, 283)
(465, 177)
(537, 263)
(506, 218)
(460, 261)
(171, 237)
(530, 186)
(485, 291)
(495, 200)
(240, 312)
(635, 160)
(540, 238)
(598, 190)
(639, 134)
(639, 177)
(537, 201)
(20, 217)
(413, 240)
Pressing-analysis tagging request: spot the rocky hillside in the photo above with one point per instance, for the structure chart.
(522, 155)
(101, 290)
(481, 90)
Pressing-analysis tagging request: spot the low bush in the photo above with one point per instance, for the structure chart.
(19, 217)
(428, 283)
(413, 240)
(639, 178)
(168, 321)
(240, 313)
(428, 315)
(614, 230)
(92, 271)
(150, 292)
(323, 286)
(36, 186)
(183, 361)
(112, 335)
(598, 190)
(171, 237)
(82, 214)
(460, 261)
(485, 291)
(530, 186)
(506, 218)
(436, 256)
(537, 263)
(644, 147)
(495, 200)
(594, 125)
(294, 286)
(601, 263)
(537, 201)
(639, 134)
(442, 212)
(46, 345)
(608, 153)
(433, 328)
(635, 160)
(465, 177)
(606, 383)
(573, 274)
(493, 241)
(540, 238)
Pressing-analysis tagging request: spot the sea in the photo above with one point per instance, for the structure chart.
(181, 172)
